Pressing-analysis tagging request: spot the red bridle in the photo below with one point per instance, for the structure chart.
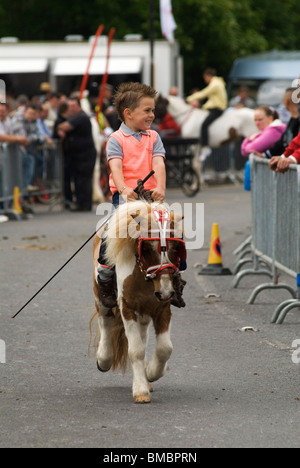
(165, 266)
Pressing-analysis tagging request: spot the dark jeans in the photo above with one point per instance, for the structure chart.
(116, 201)
(213, 115)
(28, 167)
(67, 178)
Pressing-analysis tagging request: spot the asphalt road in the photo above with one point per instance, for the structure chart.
(225, 387)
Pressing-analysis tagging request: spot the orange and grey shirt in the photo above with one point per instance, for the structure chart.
(136, 151)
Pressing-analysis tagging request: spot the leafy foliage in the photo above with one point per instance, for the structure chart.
(210, 32)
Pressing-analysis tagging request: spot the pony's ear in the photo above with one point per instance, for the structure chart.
(175, 218)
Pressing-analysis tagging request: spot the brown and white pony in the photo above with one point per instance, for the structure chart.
(144, 244)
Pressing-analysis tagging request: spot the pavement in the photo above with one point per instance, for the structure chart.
(225, 388)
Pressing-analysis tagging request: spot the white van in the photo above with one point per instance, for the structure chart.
(24, 65)
(267, 75)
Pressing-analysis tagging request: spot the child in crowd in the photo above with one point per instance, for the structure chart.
(132, 152)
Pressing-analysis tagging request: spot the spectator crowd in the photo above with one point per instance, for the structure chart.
(52, 119)
(80, 130)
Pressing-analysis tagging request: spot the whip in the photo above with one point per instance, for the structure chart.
(77, 251)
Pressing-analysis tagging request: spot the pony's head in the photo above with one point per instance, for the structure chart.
(153, 236)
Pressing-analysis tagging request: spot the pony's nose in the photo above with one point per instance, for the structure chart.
(161, 297)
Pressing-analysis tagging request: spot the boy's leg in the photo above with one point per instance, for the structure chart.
(106, 273)
(178, 284)
(106, 279)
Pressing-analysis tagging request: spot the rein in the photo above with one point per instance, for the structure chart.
(165, 266)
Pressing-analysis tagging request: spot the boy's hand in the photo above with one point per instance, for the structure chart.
(129, 194)
(158, 194)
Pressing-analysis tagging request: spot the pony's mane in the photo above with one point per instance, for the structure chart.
(124, 227)
(119, 234)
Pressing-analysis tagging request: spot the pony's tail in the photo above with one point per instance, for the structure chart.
(119, 343)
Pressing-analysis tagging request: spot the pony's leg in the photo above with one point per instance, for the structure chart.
(144, 326)
(163, 350)
(136, 337)
(105, 349)
(136, 332)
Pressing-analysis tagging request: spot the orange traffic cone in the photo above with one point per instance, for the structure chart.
(215, 265)
(16, 201)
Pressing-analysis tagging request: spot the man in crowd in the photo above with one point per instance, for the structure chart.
(79, 155)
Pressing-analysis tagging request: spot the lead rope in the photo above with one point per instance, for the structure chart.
(143, 193)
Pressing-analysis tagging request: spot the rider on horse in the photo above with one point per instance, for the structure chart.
(216, 95)
(132, 151)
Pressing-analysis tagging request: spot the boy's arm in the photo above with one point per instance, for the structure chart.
(158, 165)
(115, 165)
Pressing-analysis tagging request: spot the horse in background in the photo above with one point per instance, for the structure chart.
(230, 126)
(144, 244)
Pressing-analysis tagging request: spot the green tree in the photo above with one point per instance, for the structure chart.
(210, 32)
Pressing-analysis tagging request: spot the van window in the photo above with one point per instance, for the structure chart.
(264, 92)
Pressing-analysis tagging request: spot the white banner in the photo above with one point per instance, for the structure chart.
(2, 92)
(167, 21)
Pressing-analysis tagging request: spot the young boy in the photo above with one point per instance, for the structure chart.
(132, 152)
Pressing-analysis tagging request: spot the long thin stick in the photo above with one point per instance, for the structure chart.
(105, 74)
(86, 75)
(58, 271)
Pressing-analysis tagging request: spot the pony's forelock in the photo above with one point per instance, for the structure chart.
(125, 225)
(121, 234)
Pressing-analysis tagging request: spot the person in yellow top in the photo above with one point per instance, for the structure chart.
(217, 101)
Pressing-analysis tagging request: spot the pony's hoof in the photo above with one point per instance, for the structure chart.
(142, 398)
(100, 369)
(150, 387)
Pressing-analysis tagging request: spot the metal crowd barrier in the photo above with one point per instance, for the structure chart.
(49, 184)
(225, 163)
(275, 242)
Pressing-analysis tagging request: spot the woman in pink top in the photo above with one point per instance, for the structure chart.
(270, 130)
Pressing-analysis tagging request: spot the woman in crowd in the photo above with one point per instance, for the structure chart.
(270, 129)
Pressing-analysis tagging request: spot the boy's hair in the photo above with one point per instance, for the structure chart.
(129, 96)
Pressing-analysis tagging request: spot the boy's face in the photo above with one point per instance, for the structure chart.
(140, 118)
